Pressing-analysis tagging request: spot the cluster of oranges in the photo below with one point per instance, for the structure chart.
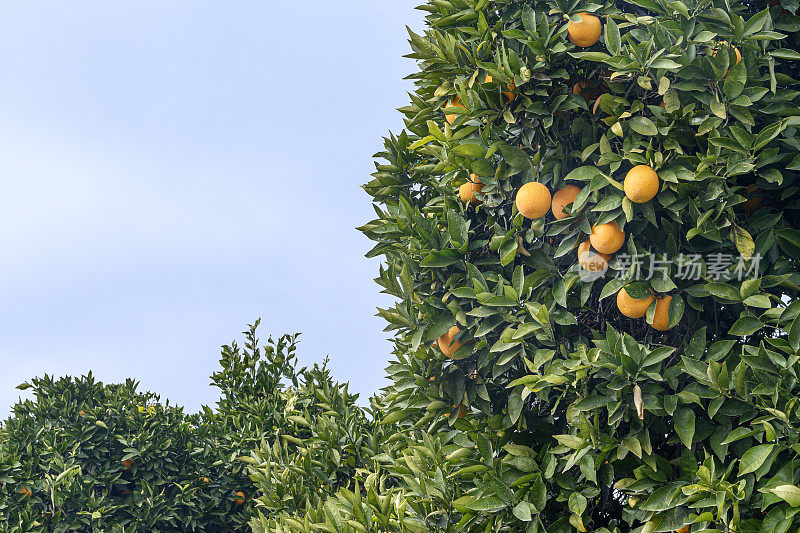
(533, 200)
(641, 185)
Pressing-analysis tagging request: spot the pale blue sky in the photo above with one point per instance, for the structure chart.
(173, 170)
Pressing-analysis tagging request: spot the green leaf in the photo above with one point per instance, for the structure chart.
(666, 64)
(747, 325)
(585, 173)
(439, 260)
(489, 504)
(522, 511)
(704, 36)
(643, 126)
(577, 503)
(744, 242)
(785, 53)
(767, 134)
(723, 291)
(508, 251)
(788, 493)
(471, 150)
(754, 458)
(515, 404)
(612, 37)
(517, 158)
(593, 402)
(684, 419)
(794, 334)
(718, 108)
(756, 22)
(735, 81)
(590, 56)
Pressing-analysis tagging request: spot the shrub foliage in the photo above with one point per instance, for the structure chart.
(521, 397)
(557, 412)
(84, 456)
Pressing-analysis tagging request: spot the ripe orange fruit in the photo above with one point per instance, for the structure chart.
(561, 198)
(447, 344)
(240, 499)
(533, 200)
(590, 260)
(661, 318)
(588, 90)
(455, 102)
(510, 94)
(586, 32)
(24, 491)
(607, 238)
(127, 464)
(204, 480)
(462, 411)
(467, 191)
(684, 529)
(630, 306)
(488, 79)
(753, 200)
(83, 413)
(641, 184)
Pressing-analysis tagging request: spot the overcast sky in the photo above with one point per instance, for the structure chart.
(172, 171)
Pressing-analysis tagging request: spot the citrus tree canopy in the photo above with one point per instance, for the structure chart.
(84, 456)
(602, 332)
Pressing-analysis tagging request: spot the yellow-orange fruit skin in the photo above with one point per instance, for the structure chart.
(533, 200)
(25, 492)
(127, 464)
(661, 317)
(684, 529)
(467, 192)
(455, 102)
(607, 238)
(447, 345)
(631, 307)
(510, 93)
(462, 411)
(641, 184)
(588, 90)
(590, 260)
(561, 198)
(586, 32)
(240, 499)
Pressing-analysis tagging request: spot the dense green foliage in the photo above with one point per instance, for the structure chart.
(578, 418)
(557, 413)
(68, 444)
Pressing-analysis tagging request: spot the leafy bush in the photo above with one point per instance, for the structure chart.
(327, 444)
(551, 410)
(108, 457)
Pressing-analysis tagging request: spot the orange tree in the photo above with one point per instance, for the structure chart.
(627, 359)
(86, 456)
